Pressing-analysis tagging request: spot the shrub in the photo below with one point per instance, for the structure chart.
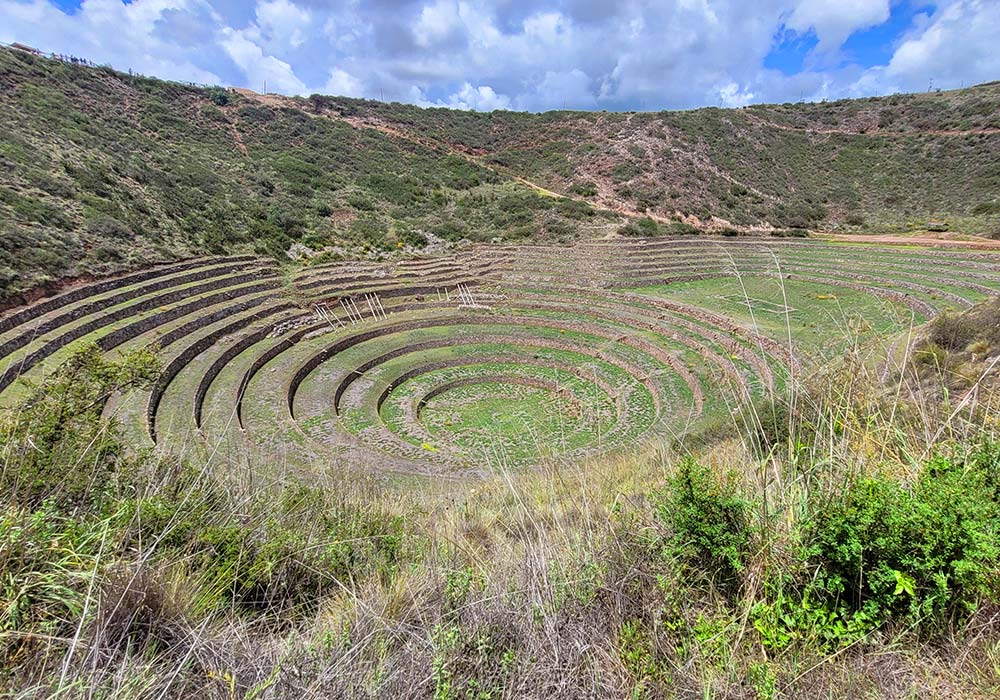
(790, 233)
(46, 559)
(925, 552)
(931, 355)
(771, 424)
(109, 227)
(584, 189)
(953, 331)
(986, 208)
(59, 448)
(683, 229)
(219, 96)
(798, 214)
(640, 228)
(284, 553)
(709, 523)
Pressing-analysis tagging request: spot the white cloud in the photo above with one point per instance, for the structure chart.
(499, 54)
(833, 22)
(960, 44)
(482, 99)
(546, 27)
(282, 23)
(259, 68)
(342, 83)
(731, 96)
(437, 22)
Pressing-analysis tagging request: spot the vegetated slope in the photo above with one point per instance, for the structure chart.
(102, 170)
(884, 162)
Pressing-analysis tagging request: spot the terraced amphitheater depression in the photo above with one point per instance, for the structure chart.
(487, 357)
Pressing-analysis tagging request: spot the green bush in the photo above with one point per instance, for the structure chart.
(926, 552)
(584, 189)
(284, 555)
(931, 355)
(109, 228)
(771, 424)
(46, 559)
(219, 96)
(680, 228)
(640, 228)
(789, 233)
(709, 523)
(986, 208)
(59, 448)
(798, 214)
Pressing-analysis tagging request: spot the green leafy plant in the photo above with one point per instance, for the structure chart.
(709, 523)
(926, 552)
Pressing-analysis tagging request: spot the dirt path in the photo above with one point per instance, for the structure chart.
(237, 138)
(922, 240)
(874, 130)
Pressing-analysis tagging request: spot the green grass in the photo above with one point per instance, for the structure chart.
(822, 319)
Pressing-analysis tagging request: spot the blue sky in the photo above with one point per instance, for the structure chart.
(516, 54)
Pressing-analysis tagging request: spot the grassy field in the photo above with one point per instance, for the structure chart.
(821, 320)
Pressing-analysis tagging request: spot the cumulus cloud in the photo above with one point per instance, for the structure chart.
(960, 44)
(343, 83)
(261, 70)
(833, 22)
(437, 23)
(521, 54)
(730, 95)
(282, 23)
(482, 99)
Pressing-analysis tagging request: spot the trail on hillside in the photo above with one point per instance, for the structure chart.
(234, 129)
(872, 130)
(925, 241)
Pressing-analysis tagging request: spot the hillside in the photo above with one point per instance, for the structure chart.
(103, 171)
(879, 163)
(128, 170)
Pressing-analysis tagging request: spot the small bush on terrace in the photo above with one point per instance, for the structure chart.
(709, 523)
(953, 331)
(640, 228)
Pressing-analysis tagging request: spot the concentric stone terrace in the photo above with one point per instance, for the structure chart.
(490, 356)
